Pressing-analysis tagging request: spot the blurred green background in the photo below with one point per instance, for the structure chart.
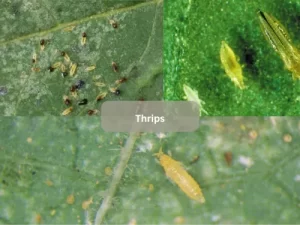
(45, 160)
(193, 31)
(135, 45)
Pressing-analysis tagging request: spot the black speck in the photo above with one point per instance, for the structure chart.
(64, 74)
(68, 101)
(62, 53)
(84, 34)
(51, 69)
(83, 102)
(117, 92)
(73, 88)
(79, 84)
(42, 42)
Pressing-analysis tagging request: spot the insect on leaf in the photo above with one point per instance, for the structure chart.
(192, 95)
(231, 65)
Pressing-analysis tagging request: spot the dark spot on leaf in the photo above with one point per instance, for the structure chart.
(33, 172)
(51, 69)
(67, 101)
(117, 92)
(64, 74)
(73, 88)
(3, 90)
(83, 102)
(79, 84)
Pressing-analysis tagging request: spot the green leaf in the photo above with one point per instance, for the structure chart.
(135, 46)
(193, 32)
(73, 153)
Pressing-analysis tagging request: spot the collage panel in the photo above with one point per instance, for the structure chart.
(236, 58)
(149, 112)
(68, 57)
(234, 170)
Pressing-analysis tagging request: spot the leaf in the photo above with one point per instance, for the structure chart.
(73, 153)
(193, 33)
(135, 45)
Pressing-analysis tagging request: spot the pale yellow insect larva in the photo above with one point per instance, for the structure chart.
(175, 171)
(62, 67)
(83, 38)
(34, 58)
(56, 65)
(231, 65)
(73, 68)
(113, 23)
(100, 84)
(90, 68)
(70, 28)
(35, 69)
(277, 36)
(67, 111)
(101, 96)
(74, 94)
(66, 57)
(192, 95)
(42, 44)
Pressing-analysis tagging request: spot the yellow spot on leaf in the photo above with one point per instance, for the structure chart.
(179, 220)
(108, 171)
(287, 138)
(49, 183)
(86, 204)
(151, 187)
(70, 199)
(29, 140)
(53, 212)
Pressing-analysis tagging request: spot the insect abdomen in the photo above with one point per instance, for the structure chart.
(186, 183)
(179, 175)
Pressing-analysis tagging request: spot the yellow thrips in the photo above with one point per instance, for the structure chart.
(67, 111)
(175, 171)
(230, 63)
(192, 95)
(66, 57)
(90, 68)
(70, 28)
(101, 96)
(83, 40)
(100, 84)
(34, 58)
(73, 67)
(56, 65)
(35, 69)
(277, 36)
(62, 67)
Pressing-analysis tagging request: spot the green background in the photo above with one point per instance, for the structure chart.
(136, 47)
(193, 31)
(73, 154)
